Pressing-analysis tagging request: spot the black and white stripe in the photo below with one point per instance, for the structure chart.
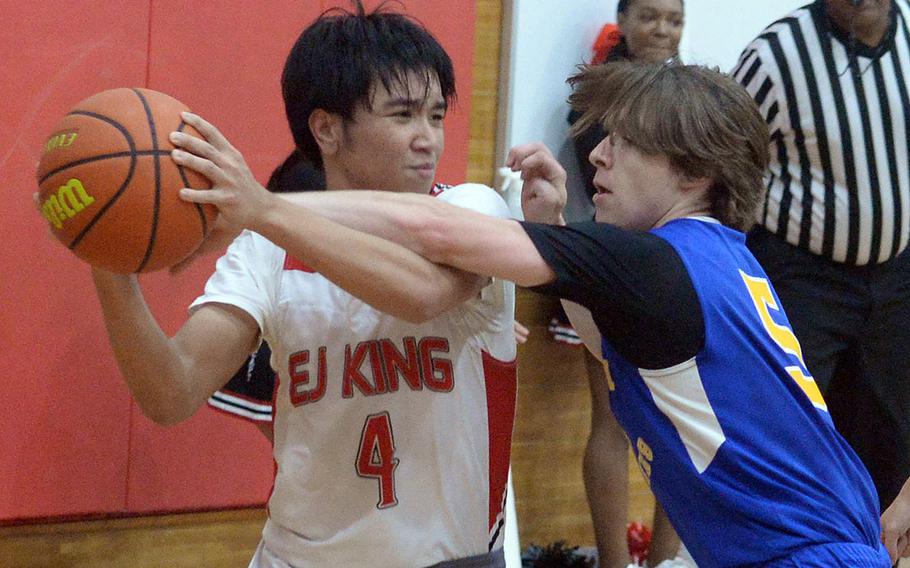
(249, 409)
(839, 117)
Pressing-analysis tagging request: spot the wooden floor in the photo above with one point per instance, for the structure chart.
(550, 433)
(199, 540)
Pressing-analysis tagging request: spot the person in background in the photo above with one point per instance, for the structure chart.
(646, 31)
(831, 80)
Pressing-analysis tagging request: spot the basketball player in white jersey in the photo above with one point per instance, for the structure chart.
(396, 376)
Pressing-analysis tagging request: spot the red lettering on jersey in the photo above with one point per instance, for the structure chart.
(300, 377)
(420, 365)
(291, 263)
(436, 372)
(376, 366)
(396, 363)
(352, 374)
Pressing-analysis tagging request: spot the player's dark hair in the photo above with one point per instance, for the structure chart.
(703, 121)
(341, 57)
(623, 5)
(296, 173)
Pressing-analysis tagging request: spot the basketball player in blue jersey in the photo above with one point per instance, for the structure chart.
(704, 373)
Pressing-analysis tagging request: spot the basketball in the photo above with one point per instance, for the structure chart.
(109, 189)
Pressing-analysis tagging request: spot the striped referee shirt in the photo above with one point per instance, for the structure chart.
(839, 116)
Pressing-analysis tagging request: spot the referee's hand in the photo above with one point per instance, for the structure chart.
(896, 525)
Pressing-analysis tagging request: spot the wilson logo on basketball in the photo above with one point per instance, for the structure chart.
(69, 200)
(62, 140)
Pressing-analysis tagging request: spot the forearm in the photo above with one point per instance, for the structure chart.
(151, 366)
(443, 233)
(383, 214)
(386, 275)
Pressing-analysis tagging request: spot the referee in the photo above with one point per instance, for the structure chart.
(831, 80)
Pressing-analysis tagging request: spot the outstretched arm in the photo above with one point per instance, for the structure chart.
(387, 275)
(443, 233)
(543, 197)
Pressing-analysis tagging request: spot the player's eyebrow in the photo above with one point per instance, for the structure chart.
(438, 104)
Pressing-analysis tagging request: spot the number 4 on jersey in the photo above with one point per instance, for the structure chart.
(376, 457)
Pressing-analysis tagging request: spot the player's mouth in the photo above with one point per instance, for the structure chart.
(425, 170)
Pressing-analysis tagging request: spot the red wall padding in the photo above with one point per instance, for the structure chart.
(73, 443)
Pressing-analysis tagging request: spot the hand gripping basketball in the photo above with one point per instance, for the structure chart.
(240, 199)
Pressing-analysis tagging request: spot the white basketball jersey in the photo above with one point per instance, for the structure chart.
(392, 439)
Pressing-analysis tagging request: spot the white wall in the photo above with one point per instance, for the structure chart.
(549, 38)
(545, 39)
(717, 30)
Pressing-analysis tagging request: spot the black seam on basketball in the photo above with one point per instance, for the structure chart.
(73, 164)
(186, 183)
(157, 160)
(129, 176)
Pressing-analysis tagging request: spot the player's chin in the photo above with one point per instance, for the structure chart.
(422, 173)
(658, 54)
(603, 214)
(417, 181)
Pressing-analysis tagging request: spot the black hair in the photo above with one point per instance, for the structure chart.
(296, 173)
(623, 5)
(338, 59)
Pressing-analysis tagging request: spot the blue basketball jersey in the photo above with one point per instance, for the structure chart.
(737, 443)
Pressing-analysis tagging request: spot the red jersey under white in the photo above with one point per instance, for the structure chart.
(392, 439)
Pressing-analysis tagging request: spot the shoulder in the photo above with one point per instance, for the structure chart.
(770, 54)
(475, 196)
(903, 9)
(250, 241)
(601, 245)
(700, 237)
(250, 251)
(782, 29)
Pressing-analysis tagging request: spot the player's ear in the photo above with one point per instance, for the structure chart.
(326, 128)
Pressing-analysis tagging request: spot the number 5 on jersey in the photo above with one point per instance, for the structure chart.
(764, 302)
(376, 457)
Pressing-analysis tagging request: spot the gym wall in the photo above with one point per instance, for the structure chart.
(74, 444)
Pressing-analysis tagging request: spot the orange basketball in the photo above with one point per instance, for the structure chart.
(109, 189)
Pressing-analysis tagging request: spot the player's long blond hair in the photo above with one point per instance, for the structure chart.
(704, 122)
